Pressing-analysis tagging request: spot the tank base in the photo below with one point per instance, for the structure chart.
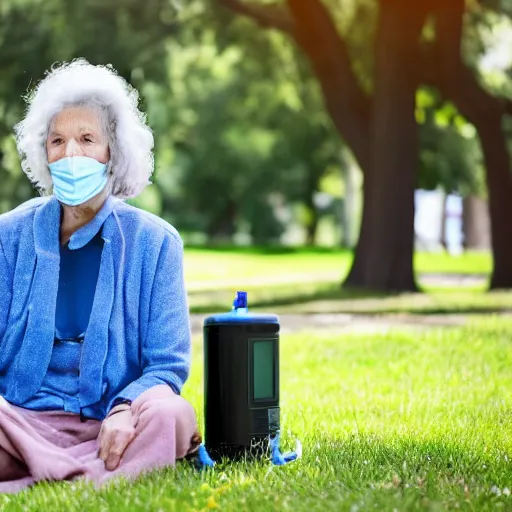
(258, 449)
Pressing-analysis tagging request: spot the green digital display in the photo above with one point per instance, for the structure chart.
(263, 370)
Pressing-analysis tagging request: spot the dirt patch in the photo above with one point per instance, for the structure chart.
(339, 322)
(454, 280)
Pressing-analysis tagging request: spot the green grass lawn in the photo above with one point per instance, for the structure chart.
(286, 277)
(397, 421)
(211, 269)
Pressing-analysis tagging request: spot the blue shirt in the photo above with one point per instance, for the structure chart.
(78, 277)
(138, 334)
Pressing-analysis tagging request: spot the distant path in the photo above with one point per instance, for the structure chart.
(453, 280)
(367, 322)
(339, 322)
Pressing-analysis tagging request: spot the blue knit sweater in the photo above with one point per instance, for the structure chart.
(138, 334)
(78, 278)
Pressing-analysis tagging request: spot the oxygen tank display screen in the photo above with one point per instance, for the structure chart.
(263, 369)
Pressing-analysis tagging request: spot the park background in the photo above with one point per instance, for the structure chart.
(346, 162)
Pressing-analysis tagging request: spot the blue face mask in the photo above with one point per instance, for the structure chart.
(76, 179)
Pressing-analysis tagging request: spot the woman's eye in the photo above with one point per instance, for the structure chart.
(56, 142)
(88, 140)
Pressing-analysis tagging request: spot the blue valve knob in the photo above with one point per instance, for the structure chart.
(240, 300)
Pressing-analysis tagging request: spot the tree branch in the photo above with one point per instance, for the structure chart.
(451, 75)
(267, 16)
(507, 106)
(346, 101)
(458, 83)
(312, 27)
(494, 6)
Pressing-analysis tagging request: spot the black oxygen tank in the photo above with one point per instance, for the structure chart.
(241, 383)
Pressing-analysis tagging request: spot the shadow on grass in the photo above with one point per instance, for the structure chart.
(271, 297)
(332, 298)
(482, 310)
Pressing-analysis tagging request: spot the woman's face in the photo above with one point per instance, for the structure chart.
(77, 131)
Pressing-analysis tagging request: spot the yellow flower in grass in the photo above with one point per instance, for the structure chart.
(211, 503)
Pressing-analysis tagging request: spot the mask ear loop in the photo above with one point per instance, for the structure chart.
(110, 168)
(110, 176)
(110, 130)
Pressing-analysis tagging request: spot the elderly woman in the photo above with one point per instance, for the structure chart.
(94, 329)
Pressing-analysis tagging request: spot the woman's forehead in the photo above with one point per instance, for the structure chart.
(76, 117)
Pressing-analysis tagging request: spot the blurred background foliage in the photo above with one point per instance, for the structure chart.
(245, 150)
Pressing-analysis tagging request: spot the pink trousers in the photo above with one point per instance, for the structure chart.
(55, 445)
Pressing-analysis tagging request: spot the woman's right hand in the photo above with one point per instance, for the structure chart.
(116, 433)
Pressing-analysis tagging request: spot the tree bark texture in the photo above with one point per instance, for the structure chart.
(458, 83)
(476, 224)
(346, 102)
(387, 253)
(382, 131)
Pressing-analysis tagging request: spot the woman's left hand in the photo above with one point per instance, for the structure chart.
(117, 431)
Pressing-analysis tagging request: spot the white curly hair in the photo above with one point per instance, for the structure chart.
(80, 83)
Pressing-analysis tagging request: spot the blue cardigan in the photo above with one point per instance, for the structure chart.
(138, 334)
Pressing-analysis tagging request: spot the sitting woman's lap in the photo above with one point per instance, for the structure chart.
(55, 445)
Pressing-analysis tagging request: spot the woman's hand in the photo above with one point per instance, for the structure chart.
(117, 431)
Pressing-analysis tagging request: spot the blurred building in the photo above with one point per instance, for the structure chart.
(451, 222)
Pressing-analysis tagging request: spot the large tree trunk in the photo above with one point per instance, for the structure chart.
(349, 107)
(384, 258)
(476, 224)
(357, 274)
(499, 185)
(381, 132)
(458, 83)
(384, 143)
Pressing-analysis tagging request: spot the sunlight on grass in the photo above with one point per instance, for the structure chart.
(466, 263)
(398, 420)
(308, 280)
(212, 270)
(209, 269)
